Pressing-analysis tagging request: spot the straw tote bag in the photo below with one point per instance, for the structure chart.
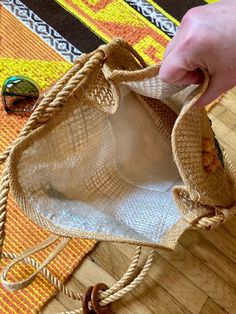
(112, 153)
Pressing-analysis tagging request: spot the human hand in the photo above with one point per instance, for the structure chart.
(206, 39)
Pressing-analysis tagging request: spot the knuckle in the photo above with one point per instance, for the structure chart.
(187, 43)
(203, 39)
(192, 29)
(191, 16)
(198, 41)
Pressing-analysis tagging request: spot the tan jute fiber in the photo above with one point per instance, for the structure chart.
(67, 171)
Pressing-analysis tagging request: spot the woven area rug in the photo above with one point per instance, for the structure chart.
(41, 39)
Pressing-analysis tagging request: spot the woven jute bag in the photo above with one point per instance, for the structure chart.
(112, 153)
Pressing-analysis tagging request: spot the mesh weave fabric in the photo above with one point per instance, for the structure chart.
(109, 174)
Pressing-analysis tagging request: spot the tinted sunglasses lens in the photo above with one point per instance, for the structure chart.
(19, 94)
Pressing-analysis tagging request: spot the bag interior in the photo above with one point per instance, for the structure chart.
(103, 176)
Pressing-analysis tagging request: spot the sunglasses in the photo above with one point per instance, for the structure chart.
(20, 94)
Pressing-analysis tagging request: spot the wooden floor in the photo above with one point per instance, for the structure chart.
(198, 277)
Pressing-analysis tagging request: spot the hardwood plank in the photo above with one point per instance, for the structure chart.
(210, 307)
(202, 276)
(151, 294)
(230, 226)
(222, 131)
(54, 306)
(210, 256)
(226, 136)
(174, 283)
(229, 100)
(223, 240)
(224, 114)
(217, 111)
(228, 118)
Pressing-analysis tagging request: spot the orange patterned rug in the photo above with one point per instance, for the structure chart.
(23, 52)
(41, 39)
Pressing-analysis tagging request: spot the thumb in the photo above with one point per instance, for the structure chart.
(172, 69)
(213, 91)
(192, 77)
(180, 67)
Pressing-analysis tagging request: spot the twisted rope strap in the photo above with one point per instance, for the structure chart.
(122, 287)
(108, 296)
(4, 190)
(70, 293)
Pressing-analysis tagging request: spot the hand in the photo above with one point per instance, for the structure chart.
(206, 39)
